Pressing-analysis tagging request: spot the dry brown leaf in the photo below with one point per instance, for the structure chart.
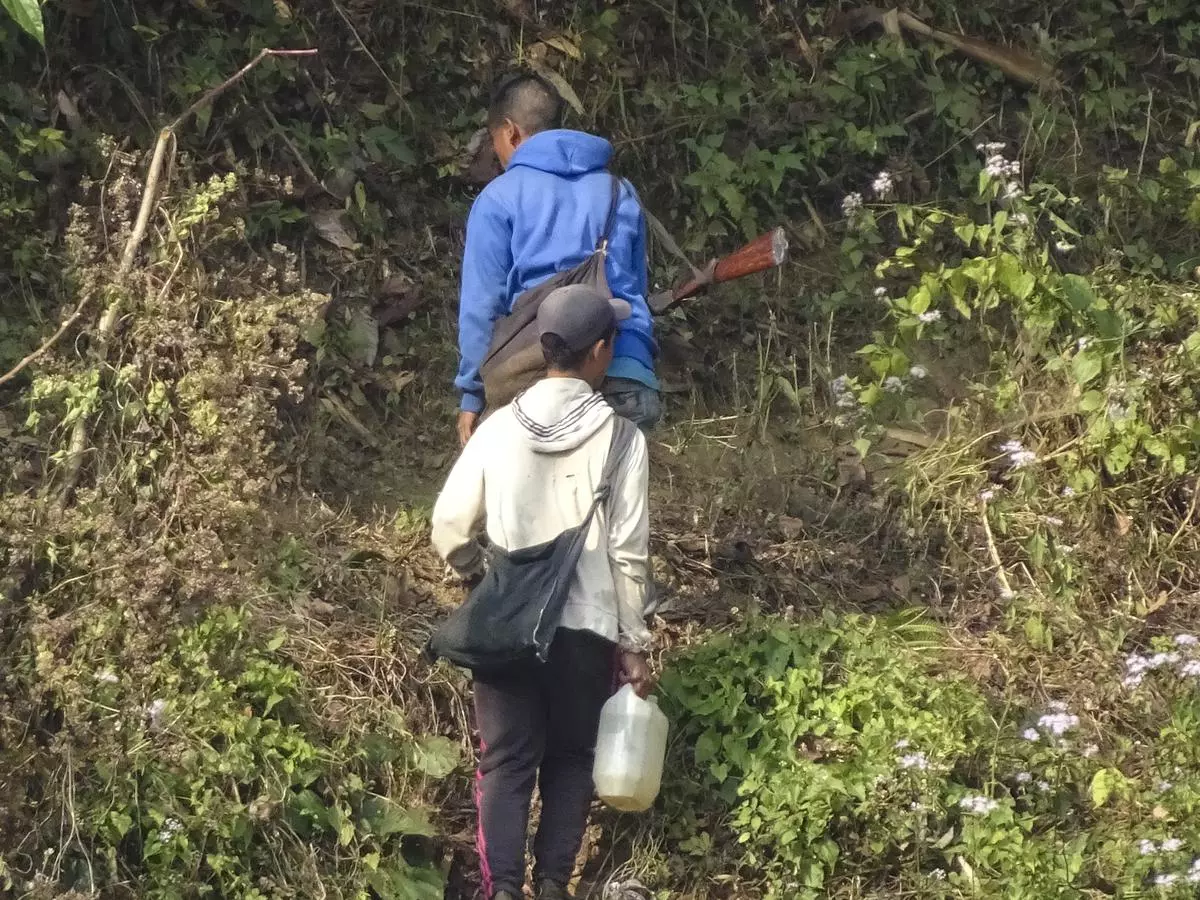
(564, 89)
(564, 45)
(333, 226)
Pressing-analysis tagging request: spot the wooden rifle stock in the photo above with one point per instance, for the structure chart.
(764, 252)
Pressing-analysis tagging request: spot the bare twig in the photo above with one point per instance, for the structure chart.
(50, 341)
(994, 552)
(231, 81)
(166, 137)
(300, 160)
(1146, 138)
(362, 45)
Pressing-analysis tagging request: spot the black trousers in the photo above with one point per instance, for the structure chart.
(538, 723)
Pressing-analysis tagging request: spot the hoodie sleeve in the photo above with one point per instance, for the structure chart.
(629, 544)
(487, 260)
(460, 513)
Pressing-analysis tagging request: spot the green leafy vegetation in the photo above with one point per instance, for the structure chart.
(945, 461)
(850, 751)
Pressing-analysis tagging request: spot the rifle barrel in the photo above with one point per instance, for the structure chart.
(764, 252)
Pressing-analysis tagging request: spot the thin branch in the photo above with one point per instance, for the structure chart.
(300, 160)
(1146, 138)
(994, 552)
(50, 341)
(231, 81)
(367, 50)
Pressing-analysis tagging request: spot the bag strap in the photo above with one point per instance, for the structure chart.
(611, 221)
(664, 238)
(622, 440)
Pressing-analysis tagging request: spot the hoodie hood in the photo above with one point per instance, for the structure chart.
(563, 152)
(559, 414)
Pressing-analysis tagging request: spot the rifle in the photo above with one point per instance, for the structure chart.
(763, 253)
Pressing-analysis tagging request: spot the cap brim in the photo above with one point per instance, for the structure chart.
(621, 309)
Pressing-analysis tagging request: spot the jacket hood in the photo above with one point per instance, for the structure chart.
(563, 152)
(559, 414)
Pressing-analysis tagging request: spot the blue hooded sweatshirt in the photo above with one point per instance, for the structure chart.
(545, 215)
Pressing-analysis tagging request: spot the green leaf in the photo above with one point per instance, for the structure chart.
(436, 756)
(27, 14)
(1157, 447)
(1118, 458)
(1087, 365)
(1091, 401)
(386, 817)
(1079, 292)
(734, 201)
(1102, 787)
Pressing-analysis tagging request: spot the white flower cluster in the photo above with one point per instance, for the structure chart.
(930, 316)
(843, 393)
(978, 805)
(852, 205)
(169, 829)
(1018, 456)
(893, 384)
(918, 761)
(1170, 879)
(998, 166)
(1058, 723)
(1138, 666)
(883, 185)
(1052, 724)
(918, 372)
(155, 711)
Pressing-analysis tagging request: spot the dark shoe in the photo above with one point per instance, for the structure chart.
(550, 890)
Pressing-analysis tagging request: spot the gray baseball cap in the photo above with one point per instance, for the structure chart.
(580, 315)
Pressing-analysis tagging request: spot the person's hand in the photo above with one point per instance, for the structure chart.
(466, 426)
(635, 670)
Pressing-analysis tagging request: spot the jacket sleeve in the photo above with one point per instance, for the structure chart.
(487, 260)
(629, 544)
(460, 513)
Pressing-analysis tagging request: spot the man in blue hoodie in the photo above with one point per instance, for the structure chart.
(544, 215)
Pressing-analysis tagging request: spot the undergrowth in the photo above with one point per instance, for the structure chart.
(972, 391)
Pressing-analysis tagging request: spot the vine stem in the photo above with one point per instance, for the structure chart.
(78, 444)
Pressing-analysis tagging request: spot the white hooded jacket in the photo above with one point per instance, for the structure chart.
(528, 474)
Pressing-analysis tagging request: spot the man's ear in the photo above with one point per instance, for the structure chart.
(515, 135)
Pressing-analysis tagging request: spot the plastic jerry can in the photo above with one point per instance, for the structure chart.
(630, 750)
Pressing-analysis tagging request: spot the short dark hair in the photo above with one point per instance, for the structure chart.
(527, 99)
(562, 358)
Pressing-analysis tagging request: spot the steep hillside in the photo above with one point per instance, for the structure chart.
(924, 506)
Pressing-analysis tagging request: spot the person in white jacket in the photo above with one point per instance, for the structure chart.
(529, 473)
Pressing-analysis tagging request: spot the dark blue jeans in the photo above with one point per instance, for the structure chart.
(634, 401)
